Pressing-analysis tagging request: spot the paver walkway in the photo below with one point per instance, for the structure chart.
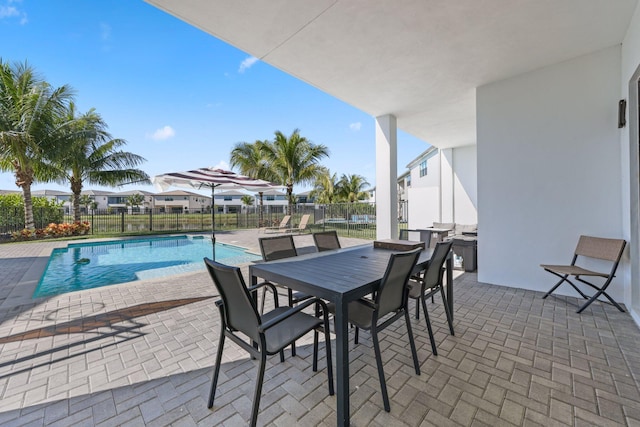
(142, 354)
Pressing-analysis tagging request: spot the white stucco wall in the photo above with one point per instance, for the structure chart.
(549, 168)
(629, 154)
(465, 185)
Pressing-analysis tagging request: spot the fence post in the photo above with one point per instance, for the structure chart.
(151, 219)
(122, 222)
(92, 223)
(177, 221)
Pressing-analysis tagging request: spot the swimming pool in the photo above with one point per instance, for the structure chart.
(91, 265)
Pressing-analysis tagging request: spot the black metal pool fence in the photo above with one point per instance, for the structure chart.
(348, 219)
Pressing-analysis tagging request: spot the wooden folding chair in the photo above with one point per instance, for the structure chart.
(590, 247)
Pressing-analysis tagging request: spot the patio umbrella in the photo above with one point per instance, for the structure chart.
(211, 178)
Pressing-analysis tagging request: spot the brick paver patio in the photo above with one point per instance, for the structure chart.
(142, 354)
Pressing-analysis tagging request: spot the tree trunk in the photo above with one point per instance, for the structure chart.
(24, 179)
(76, 189)
(290, 199)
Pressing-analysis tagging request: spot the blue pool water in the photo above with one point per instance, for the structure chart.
(91, 265)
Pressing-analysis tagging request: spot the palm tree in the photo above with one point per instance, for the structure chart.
(324, 188)
(86, 201)
(250, 160)
(292, 160)
(247, 200)
(29, 113)
(351, 188)
(91, 155)
(135, 200)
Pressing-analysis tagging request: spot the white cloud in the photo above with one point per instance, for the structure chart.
(8, 12)
(247, 63)
(222, 165)
(163, 133)
(355, 126)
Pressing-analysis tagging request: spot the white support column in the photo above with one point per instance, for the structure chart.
(447, 204)
(386, 177)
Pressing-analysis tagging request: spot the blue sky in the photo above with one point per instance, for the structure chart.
(180, 97)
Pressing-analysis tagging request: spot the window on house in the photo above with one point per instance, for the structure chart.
(409, 181)
(227, 198)
(423, 168)
(270, 198)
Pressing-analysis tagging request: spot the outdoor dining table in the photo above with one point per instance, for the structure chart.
(340, 276)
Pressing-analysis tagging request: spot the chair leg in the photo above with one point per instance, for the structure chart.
(595, 297)
(293, 344)
(327, 343)
(447, 311)
(357, 334)
(315, 351)
(258, 392)
(216, 371)
(434, 350)
(414, 352)
(383, 383)
(417, 308)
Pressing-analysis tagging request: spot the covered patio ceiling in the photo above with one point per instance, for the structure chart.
(419, 60)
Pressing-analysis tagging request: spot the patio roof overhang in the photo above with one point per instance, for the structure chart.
(420, 61)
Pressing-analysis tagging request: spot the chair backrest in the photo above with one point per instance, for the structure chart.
(278, 247)
(285, 221)
(392, 293)
(303, 221)
(601, 248)
(326, 240)
(239, 310)
(432, 275)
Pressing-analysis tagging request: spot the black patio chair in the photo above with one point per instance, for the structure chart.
(390, 303)
(326, 240)
(424, 235)
(590, 247)
(429, 282)
(262, 335)
(281, 247)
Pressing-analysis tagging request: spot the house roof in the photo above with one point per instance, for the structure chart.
(424, 155)
(50, 193)
(231, 193)
(130, 192)
(98, 193)
(418, 60)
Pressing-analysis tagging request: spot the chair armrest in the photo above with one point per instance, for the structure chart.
(368, 303)
(262, 284)
(271, 323)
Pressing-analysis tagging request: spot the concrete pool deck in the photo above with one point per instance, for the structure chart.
(142, 353)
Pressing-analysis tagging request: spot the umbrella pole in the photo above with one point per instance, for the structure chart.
(213, 222)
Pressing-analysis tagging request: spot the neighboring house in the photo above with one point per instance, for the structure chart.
(228, 201)
(63, 197)
(305, 198)
(274, 201)
(181, 201)
(100, 197)
(119, 201)
(441, 186)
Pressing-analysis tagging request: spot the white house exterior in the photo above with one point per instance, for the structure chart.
(181, 201)
(119, 201)
(100, 197)
(229, 201)
(442, 187)
(274, 201)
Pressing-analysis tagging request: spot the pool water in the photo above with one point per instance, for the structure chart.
(91, 265)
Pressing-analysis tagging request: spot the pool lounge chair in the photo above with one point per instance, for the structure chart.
(302, 226)
(279, 229)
